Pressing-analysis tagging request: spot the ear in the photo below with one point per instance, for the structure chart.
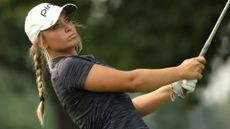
(41, 43)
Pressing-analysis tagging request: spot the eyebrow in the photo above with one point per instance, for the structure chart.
(61, 15)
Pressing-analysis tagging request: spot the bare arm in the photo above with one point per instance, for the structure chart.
(150, 102)
(104, 79)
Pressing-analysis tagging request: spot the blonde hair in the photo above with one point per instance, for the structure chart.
(36, 54)
(39, 55)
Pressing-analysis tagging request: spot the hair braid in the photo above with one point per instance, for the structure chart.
(36, 54)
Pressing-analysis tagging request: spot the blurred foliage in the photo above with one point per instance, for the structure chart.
(124, 34)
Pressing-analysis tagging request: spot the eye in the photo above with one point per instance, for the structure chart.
(67, 19)
(55, 26)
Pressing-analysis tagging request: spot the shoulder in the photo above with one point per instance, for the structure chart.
(72, 70)
(70, 64)
(70, 60)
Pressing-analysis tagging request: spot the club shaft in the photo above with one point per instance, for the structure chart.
(208, 42)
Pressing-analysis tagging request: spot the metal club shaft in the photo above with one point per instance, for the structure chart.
(208, 42)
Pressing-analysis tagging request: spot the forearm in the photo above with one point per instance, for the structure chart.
(105, 79)
(151, 79)
(152, 101)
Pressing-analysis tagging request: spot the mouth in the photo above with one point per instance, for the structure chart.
(72, 36)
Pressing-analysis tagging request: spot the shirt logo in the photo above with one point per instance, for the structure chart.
(44, 11)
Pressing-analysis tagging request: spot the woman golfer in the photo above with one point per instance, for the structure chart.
(92, 93)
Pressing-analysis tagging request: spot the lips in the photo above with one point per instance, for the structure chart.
(72, 36)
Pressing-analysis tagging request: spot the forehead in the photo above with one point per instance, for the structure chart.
(63, 15)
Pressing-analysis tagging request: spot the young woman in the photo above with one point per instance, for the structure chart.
(92, 93)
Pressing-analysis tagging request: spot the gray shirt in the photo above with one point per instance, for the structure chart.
(91, 110)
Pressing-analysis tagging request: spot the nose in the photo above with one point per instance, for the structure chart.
(68, 27)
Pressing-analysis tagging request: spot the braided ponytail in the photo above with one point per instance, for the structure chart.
(39, 54)
(36, 54)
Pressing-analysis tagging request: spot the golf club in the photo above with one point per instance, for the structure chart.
(208, 42)
(214, 30)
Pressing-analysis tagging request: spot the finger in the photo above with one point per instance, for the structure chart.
(202, 66)
(200, 76)
(199, 71)
(201, 59)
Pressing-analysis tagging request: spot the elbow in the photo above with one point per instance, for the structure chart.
(141, 111)
(132, 86)
(134, 83)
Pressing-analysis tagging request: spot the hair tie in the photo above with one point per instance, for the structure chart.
(42, 99)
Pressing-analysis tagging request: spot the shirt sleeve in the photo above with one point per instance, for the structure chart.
(75, 71)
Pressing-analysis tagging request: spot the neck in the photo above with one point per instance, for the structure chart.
(54, 54)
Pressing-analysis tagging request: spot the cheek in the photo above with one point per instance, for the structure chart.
(56, 39)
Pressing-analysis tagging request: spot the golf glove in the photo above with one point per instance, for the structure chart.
(182, 88)
(189, 85)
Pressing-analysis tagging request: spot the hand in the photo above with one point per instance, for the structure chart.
(179, 87)
(177, 90)
(192, 68)
(189, 85)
